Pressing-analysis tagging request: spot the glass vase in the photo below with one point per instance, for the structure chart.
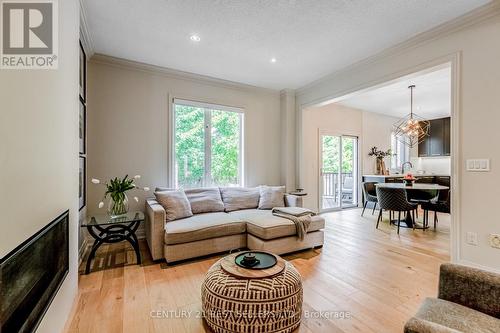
(118, 205)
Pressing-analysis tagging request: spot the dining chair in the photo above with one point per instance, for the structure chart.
(394, 199)
(422, 196)
(437, 206)
(369, 195)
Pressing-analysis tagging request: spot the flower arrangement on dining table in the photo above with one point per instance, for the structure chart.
(408, 179)
(116, 188)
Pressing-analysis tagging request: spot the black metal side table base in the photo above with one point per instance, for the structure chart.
(113, 234)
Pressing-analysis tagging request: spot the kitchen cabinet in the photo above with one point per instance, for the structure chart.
(447, 135)
(437, 143)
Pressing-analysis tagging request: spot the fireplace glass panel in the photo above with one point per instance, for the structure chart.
(30, 276)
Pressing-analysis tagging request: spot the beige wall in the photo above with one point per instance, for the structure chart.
(128, 124)
(39, 155)
(372, 129)
(377, 130)
(479, 99)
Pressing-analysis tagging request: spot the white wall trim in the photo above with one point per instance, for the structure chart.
(474, 17)
(85, 34)
(456, 167)
(176, 74)
(474, 265)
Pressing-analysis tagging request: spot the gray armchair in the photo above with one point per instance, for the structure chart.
(468, 301)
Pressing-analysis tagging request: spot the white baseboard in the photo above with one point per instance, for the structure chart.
(474, 265)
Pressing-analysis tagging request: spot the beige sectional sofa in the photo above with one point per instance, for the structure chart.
(214, 232)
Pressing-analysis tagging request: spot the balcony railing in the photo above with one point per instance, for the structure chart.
(332, 181)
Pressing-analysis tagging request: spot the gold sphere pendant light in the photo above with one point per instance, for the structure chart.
(411, 129)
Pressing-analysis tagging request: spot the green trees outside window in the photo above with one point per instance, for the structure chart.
(331, 155)
(207, 146)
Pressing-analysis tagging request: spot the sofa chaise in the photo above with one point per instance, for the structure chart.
(229, 229)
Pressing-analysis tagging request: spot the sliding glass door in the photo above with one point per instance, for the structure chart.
(338, 177)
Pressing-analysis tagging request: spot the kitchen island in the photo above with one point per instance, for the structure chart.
(439, 179)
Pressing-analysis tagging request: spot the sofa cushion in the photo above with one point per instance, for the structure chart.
(271, 196)
(175, 203)
(456, 316)
(205, 200)
(236, 198)
(263, 224)
(202, 226)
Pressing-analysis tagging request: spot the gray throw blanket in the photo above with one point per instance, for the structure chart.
(301, 217)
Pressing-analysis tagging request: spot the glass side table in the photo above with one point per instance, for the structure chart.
(106, 230)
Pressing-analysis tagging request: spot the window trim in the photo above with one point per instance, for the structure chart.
(208, 146)
(204, 105)
(397, 160)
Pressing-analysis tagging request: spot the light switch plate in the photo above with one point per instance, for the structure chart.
(495, 240)
(478, 165)
(471, 238)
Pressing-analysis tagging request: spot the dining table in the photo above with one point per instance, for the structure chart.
(408, 221)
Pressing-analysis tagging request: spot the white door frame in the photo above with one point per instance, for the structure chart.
(356, 170)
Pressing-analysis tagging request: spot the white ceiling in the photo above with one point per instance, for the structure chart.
(431, 96)
(309, 39)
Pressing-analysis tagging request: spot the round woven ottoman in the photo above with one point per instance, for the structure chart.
(247, 300)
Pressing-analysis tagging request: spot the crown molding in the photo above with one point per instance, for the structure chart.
(176, 74)
(287, 91)
(85, 35)
(471, 18)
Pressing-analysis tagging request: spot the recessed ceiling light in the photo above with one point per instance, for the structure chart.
(273, 60)
(195, 38)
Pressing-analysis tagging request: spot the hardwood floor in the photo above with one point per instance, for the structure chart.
(375, 276)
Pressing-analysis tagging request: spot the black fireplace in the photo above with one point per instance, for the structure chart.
(31, 274)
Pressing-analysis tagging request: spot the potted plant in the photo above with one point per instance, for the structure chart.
(409, 179)
(380, 155)
(117, 188)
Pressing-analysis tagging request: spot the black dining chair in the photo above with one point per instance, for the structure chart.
(394, 199)
(370, 195)
(422, 196)
(441, 205)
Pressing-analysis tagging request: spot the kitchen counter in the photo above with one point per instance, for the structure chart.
(398, 175)
(397, 178)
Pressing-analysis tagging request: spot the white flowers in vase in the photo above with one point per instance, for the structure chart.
(116, 188)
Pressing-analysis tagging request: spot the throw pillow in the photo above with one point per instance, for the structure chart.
(175, 203)
(236, 198)
(205, 200)
(271, 196)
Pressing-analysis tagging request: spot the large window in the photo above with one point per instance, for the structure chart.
(401, 152)
(208, 141)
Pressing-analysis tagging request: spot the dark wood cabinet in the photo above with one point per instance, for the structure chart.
(423, 147)
(436, 138)
(438, 141)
